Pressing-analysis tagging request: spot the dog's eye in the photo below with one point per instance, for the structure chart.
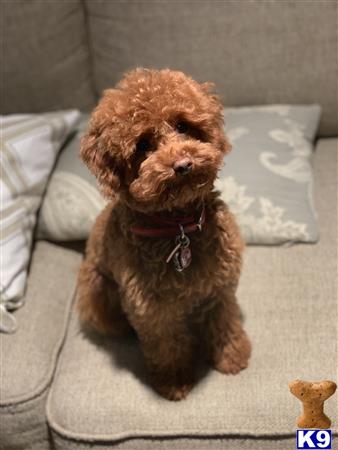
(191, 131)
(182, 127)
(143, 145)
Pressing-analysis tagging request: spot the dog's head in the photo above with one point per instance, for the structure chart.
(157, 140)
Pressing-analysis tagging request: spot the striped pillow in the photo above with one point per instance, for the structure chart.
(29, 146)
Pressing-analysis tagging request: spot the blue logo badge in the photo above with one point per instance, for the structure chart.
(315, 439)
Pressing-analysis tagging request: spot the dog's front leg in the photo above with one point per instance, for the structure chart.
(98, 302)
(169, 351)
(228, 346)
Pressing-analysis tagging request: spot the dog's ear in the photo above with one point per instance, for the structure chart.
(101, 163)
(225, 144)
(98, 150)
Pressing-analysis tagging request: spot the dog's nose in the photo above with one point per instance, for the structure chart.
(182, 166)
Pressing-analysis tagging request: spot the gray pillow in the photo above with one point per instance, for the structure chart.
(267, 178)
(72, 201)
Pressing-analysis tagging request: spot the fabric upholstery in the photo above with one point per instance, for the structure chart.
(45, 58)
(29, 357)
(257, 52)
(282, 290)
(29, 146)
(238, 45)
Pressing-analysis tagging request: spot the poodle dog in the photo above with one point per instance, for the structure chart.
(164, 256)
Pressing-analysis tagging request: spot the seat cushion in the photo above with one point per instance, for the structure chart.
(100, 395)
(29, 357)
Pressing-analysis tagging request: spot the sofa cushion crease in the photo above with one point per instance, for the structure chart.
(159, 434)
(186, 443)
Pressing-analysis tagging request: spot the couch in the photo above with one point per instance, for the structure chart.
(63, 389)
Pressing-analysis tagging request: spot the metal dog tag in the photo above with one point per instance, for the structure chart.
(181, 253)
(182, 258)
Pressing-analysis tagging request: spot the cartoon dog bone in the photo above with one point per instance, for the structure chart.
(313, 395)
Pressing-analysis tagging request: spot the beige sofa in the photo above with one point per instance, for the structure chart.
(62, 389)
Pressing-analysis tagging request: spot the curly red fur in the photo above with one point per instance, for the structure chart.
(133, 141)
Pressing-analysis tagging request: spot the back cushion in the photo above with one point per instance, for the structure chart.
(257, 52)
(45, 60)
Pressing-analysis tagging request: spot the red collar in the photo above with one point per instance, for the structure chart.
(171, 227)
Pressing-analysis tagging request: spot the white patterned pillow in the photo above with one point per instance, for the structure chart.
(29, 146)
(267, 178)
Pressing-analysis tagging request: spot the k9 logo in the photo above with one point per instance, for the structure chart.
(314, 439)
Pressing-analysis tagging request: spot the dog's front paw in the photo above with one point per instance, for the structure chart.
(174, 393)
(234, 356)
(173, 385)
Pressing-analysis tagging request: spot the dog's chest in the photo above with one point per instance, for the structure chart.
(208, 269)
